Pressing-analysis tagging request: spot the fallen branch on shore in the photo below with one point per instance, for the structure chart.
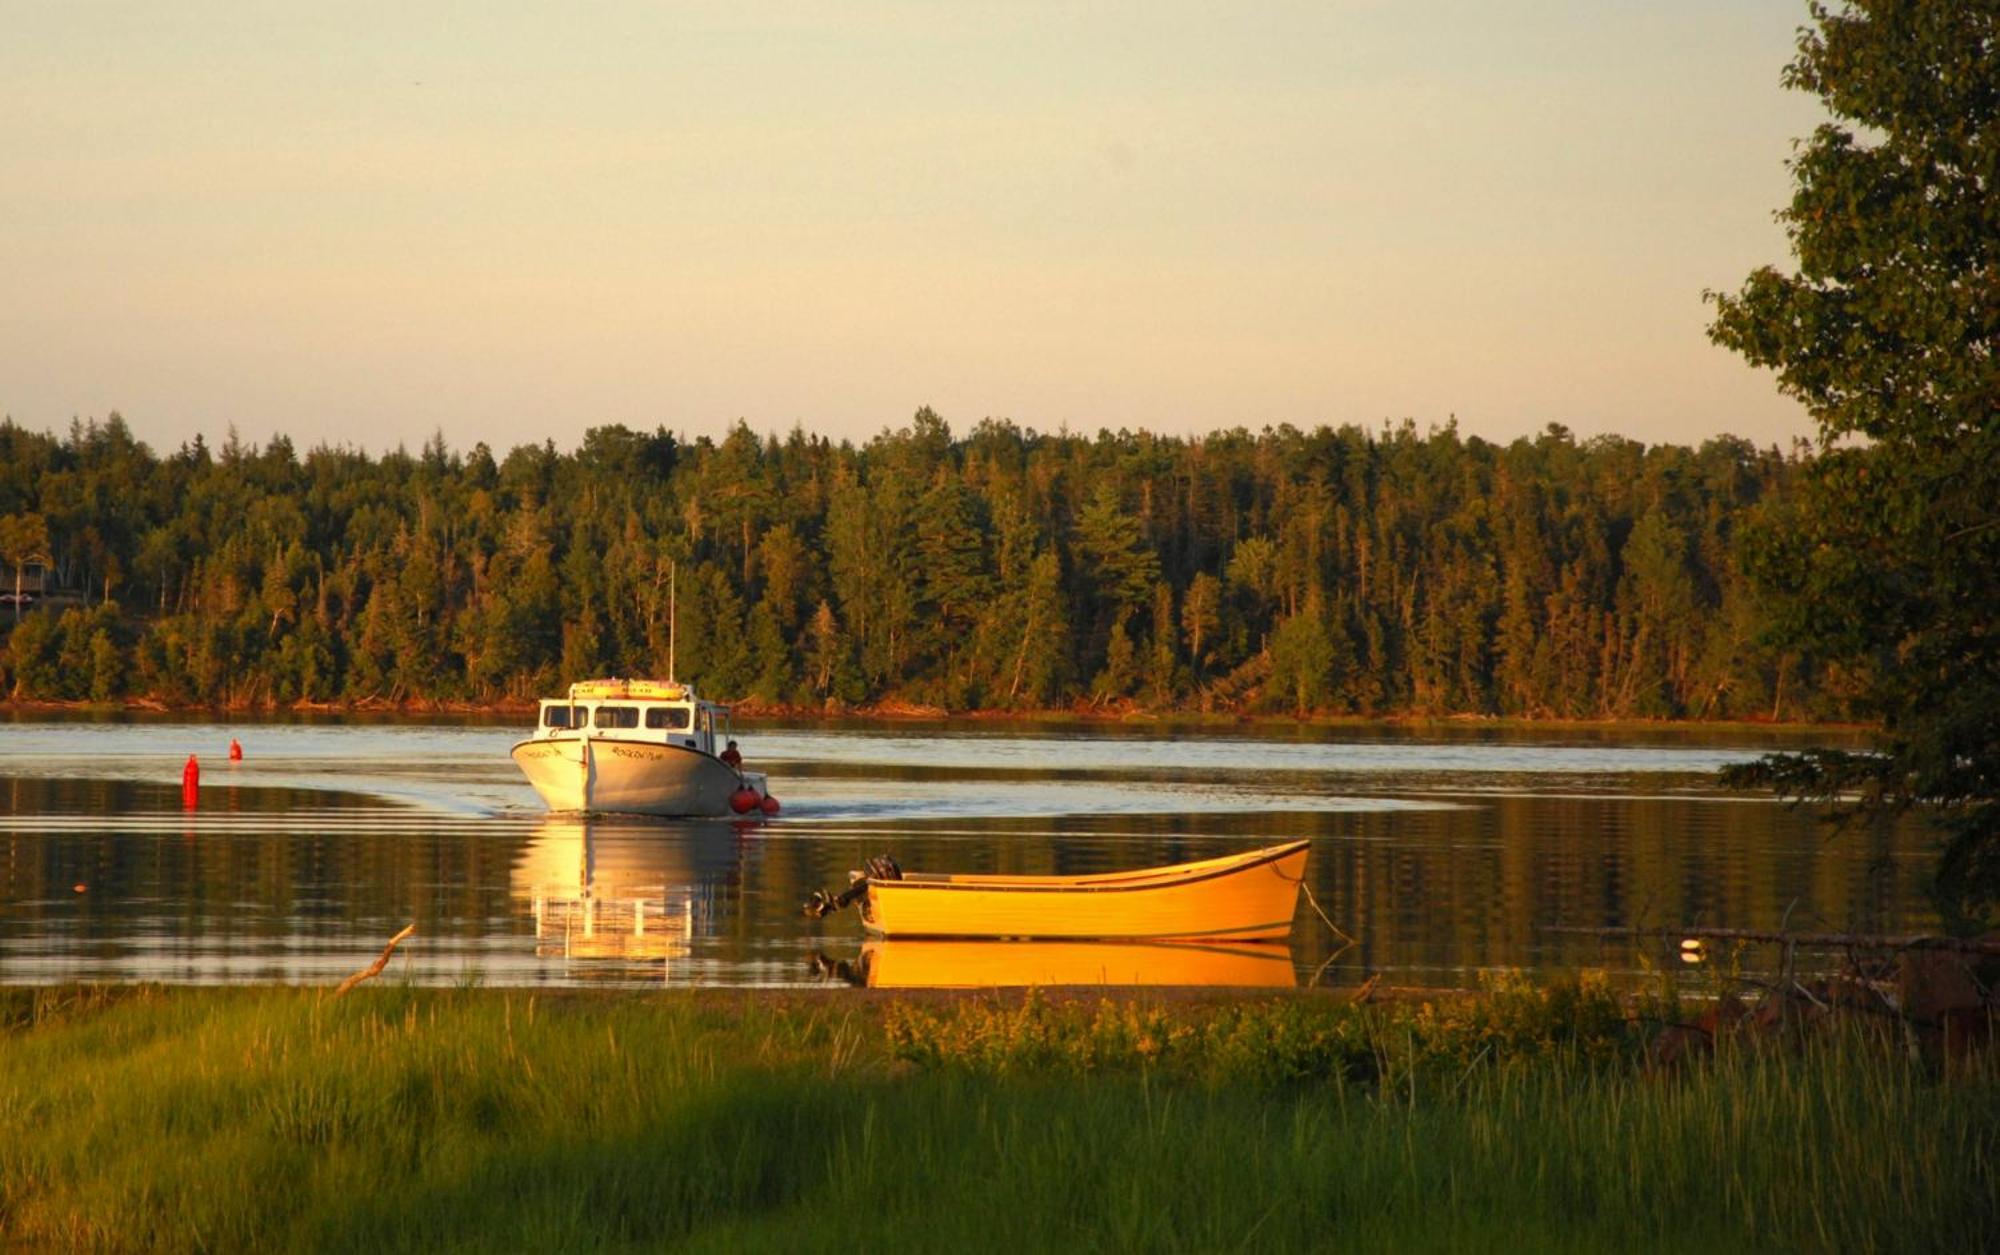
(375, 968)
(1853, 941)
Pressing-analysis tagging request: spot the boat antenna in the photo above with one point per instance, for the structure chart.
(673, 569)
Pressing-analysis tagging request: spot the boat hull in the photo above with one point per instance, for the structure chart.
(604, 775)
(1243, 897)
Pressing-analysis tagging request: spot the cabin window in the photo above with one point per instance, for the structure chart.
(672, 718)
(562, 716)
(617, 716)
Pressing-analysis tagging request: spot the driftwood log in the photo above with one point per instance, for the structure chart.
(375, 968)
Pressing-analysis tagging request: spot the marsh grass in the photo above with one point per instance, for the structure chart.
(401, 1119)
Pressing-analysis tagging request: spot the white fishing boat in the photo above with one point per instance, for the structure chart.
(638, 747)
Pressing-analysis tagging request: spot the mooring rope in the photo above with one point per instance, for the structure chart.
(1347, 942)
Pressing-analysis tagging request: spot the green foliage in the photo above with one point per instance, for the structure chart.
(1302, 660)
(32, 649)
(1277, 1041)
(24, 538)
(395, 1119)
(1881, 568)
(1325, 571)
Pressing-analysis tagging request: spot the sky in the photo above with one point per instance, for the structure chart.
(364, 223)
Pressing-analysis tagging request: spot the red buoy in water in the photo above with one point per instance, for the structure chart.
(191, 782)
(769, 805)
(235, 750)
(744, 800)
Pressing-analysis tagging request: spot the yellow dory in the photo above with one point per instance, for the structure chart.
(1239, 897)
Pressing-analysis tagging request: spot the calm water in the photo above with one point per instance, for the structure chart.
(1443, 853)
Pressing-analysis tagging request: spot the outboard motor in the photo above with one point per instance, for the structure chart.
(822, 904)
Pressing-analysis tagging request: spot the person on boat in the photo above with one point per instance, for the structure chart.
(732, 756)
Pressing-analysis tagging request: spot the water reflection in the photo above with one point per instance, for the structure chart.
(920, 964)
(622, 898)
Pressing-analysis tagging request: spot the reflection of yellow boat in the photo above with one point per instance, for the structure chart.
(1239, 897)
(920, 964)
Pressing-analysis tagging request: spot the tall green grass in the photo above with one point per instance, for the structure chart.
(480, 1120)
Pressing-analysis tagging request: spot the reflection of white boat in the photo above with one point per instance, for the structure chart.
(597, 891)
(640, 747)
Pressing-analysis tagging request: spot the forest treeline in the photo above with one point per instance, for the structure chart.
(1328, 571)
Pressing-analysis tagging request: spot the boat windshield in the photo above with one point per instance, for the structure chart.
(658, 718)
(671, 718)
(617, 717)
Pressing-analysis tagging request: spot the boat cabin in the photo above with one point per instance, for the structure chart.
(651, 711)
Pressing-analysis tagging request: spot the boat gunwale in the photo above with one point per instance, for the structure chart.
(620, 740)
(1241, 933)
(1144, 880)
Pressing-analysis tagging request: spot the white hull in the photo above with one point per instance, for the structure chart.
(609, 775)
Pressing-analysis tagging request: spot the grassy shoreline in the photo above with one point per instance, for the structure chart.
(405, 1119)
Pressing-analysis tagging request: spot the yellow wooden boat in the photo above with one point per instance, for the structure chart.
(1239, 897)
(917, 963)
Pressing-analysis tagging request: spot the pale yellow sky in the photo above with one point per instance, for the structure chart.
(360, 223)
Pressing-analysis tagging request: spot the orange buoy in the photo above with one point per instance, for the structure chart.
(235, 750)
(744, 800)
(191, 781)
(769, 805)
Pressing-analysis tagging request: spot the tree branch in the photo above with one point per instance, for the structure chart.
(375, 968)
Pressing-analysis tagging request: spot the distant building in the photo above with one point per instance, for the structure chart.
(27, 586)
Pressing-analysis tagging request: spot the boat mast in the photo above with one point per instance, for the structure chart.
(673, 569)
